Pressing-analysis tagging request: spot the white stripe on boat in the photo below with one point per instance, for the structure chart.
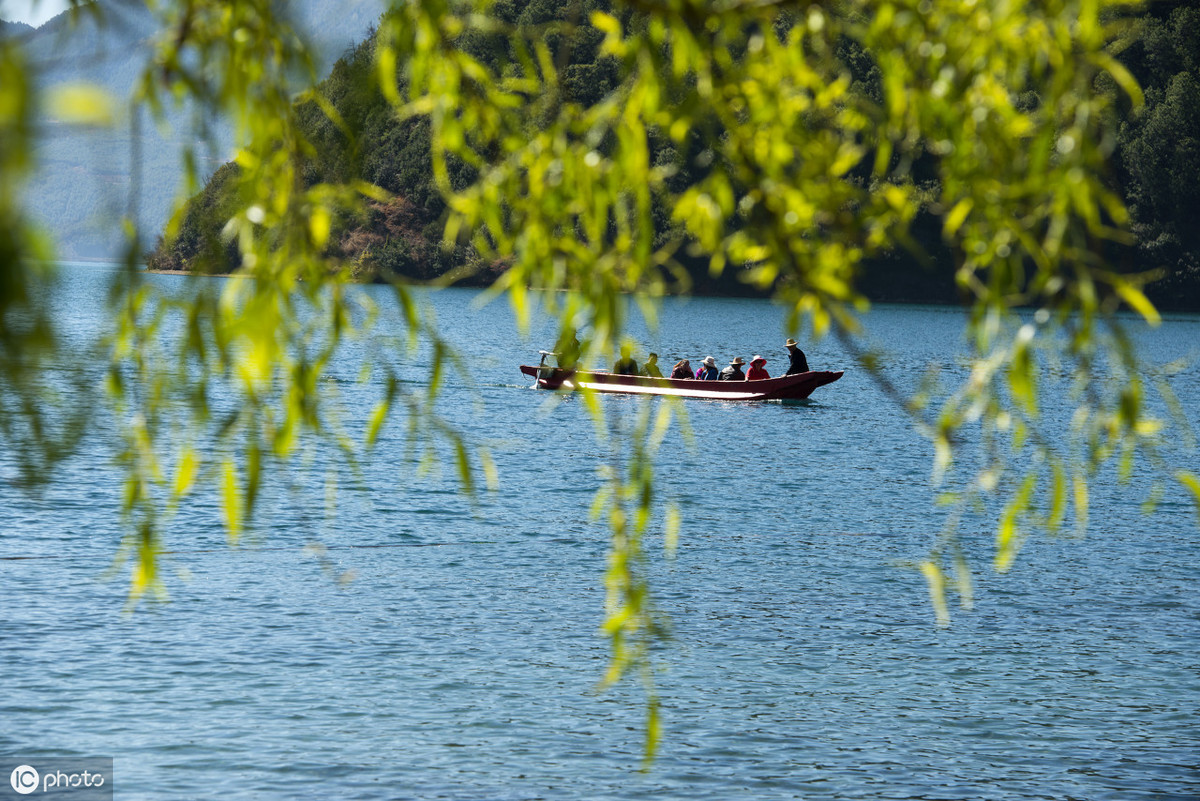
(637, 389)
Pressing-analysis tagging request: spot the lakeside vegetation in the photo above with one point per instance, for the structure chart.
(1155, 166)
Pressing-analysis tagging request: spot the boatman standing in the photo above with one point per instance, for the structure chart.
(799, 361)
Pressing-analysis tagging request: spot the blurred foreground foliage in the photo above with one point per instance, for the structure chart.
(606, 149)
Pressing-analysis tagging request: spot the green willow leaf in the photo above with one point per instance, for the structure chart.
(1192, 482)
(936, 582)
(231, 501)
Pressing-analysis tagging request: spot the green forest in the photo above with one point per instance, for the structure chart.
(1154, 165)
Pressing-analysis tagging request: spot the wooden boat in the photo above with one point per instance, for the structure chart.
(788, 387)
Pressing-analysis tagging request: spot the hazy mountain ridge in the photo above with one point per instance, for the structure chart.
(82, 182)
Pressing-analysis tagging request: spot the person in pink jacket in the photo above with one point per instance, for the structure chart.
(757, 371)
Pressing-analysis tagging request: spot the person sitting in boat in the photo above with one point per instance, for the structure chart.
(734, 371)
(683, 369)
(626, 364)
(650, 368)
(799, 363)
(757, 371)
(707, 370)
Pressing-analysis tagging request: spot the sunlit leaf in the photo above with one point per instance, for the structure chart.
(82, 104)
(375, 422)
(185, 474)
(1081, 502)
(231, 502)
(319, 226)
(957, 216)
(1138, 302)
(671, 523)
(1192, 482)
(491, 475)
(653, 731)
(463, 460)
(937, 591)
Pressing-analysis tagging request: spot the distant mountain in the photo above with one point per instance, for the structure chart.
(8, 29)
(81, 187)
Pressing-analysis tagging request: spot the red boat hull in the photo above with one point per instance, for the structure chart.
(788, 387)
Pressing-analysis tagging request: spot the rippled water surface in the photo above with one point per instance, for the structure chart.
(461, 662)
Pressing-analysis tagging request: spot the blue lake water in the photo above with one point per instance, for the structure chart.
(462, 660)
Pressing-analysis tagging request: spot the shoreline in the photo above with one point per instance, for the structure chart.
(1163, 308)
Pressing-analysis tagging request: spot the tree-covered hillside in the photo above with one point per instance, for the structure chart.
(402, 234)
(1156, 163)
(1159, 148)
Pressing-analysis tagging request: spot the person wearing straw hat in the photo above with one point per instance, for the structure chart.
(757, 371)
(734, 371)
(799, 363)
(707, 371)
